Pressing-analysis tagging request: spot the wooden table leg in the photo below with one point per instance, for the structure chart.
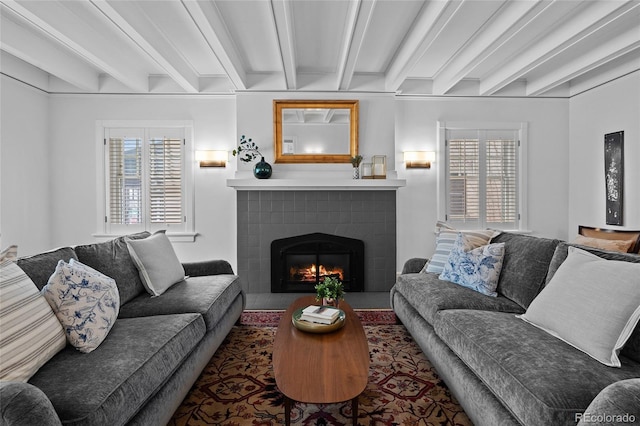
(287, 411)
(354, 411)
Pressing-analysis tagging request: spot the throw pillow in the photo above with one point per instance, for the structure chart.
(591, 303)
(10, 253)
(445, 239)
(85, 301)
(477, 269)
(30, 334)
(622, 246)
(157, 262)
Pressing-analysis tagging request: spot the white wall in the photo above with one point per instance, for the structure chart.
(25, 188)
(73, 172)
(609, 108)
(548, 156)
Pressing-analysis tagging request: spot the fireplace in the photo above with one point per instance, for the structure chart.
(299, 263)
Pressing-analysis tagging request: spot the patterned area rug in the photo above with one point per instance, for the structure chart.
(238, 387)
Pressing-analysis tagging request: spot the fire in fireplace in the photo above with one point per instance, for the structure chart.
(299, 263)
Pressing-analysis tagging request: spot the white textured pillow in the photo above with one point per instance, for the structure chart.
(444, 243)
(591, 303)
(30, 334)
(85, 301)
(157, 262)
(10, 253)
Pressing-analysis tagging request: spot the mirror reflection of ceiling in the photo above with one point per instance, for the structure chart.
(315, 115)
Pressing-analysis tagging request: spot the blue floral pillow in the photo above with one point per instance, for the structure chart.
(478, 269)
(85, 301)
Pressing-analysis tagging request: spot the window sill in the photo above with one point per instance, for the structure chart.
(175, 237)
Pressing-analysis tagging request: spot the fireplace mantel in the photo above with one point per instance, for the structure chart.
(316, 184)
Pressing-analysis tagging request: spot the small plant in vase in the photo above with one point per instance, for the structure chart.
(247, 151)
(355, 162)
(330, 291)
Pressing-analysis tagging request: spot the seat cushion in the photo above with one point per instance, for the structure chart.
(541, 379)
(428, 294)
(209, 295)
(112, 259)
(109, 385)
(525, 265)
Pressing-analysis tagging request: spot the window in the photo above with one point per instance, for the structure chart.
(482, 179)
(147, 179)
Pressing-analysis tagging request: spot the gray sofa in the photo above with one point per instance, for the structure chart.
(502, 370)
(154, 353)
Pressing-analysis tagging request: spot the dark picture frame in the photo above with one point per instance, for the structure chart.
(614, 176)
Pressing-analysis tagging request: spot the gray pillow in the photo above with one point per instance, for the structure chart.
(591, 303)
(157, 262)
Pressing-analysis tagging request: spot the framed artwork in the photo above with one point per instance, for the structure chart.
(614, 176)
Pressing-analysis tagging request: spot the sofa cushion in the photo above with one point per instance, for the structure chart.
(109, 385)
(445, 240)
(156, 261)
(632, 348)
(477, 269)
(207, 295)
(85, 302)
(539, 378)
(39, 267)
(591, 303)
(525, 265)
(112, 259)
(30, 334)
(428, 295)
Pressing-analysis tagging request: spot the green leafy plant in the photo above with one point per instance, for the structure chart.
(355, 161)
(330, 288)
(247, 150)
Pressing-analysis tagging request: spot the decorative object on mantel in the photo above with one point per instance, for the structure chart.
(330, 291)
(248, 151)
(355, 162)
(614, 176)
(367, 171)
(379, 166)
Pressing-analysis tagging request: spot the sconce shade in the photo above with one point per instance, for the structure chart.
(212, 158)
(419, 159)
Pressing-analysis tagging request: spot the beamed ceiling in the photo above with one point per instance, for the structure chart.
(456, 47)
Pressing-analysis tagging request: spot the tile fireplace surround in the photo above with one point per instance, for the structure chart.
(268, 211)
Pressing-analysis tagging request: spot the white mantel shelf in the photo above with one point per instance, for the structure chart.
(316, 184)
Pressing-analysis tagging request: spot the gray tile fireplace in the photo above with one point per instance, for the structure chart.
(267, 215)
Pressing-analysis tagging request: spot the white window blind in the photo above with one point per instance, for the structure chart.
(145, 179)
(482, 178)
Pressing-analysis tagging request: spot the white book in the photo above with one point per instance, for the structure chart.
(320, 314)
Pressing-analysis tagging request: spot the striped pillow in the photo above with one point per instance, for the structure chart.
(30, 333)
(444, 243)
(10, 253)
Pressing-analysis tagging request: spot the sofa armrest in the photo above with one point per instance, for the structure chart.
(25, 404)
(207, 267)
(414, 265)
(618, 403)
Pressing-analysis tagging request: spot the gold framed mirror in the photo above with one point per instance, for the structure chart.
(307, 131)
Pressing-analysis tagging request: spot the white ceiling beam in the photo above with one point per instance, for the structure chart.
(360, 15)
(508, 21)
(605, 74)
(433, 17)
(47, 55)
(592, 18)
(184, 77)
(72, 34)
(600, 54)
(283, 22)
(213, 29)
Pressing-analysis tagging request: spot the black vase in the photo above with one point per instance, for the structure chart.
(262, 170)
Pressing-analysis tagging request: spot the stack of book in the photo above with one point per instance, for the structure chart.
(320, 314)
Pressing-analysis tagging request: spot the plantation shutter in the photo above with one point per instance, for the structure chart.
(125, 195)
(166, 180)
(482, 178)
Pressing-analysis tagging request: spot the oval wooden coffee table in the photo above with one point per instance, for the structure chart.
(320, 368)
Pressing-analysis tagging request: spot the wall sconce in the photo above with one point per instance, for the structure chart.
(212, 158)
(419, 159)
